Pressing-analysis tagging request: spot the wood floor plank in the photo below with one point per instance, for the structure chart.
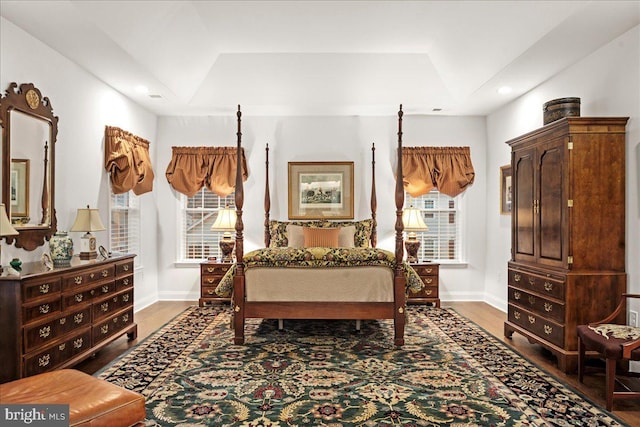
(489, 318)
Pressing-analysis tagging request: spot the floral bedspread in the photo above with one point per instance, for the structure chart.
(318, 257)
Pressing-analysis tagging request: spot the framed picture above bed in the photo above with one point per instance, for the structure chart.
(320, 190)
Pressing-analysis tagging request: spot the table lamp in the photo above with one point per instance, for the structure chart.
(226, 221)
(413, 222)
(6, 229)
(88, 220)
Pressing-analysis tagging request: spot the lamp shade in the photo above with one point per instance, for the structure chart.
(226, 220)
(412, 220)
(87, 220)
(6, 229)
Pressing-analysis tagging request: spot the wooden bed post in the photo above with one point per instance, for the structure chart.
(238, 285)
(267, 201)
(399, 279)
(374, 200)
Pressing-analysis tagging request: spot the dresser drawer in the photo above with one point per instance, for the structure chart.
(38, 288)
(88, 277)
(543, 284)
(124, 268)
(124, 282)
(544, 328)
(542, 306)
(105, 307)
(54, 355)
(426, 270)
(212, 269)
(38, 310)
(426, 292)
(38, 335)
(106, 328)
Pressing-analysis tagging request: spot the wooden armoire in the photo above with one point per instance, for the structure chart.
(567, 264)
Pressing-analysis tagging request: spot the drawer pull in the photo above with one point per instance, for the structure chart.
(105, 273)
(45, 332)
(79, 297)
(104, 306)
(78, 318)
(62, 346)
(78, 343)
(548, 307)
(125, 298)
(428, 280)
(125, 318)
(211, 291)
(125, 281)
(532, 319)
(517, 315)
(105, 289)
(532, 300)
(125, 267)
(516, 277)
(92, 275)
(44, 360)
(92, 291)
(428, 270)
(211, 269)
(548, 329)
(104, 329)
(210, 281)
(78, 280)
(44, 308)
(429, 291)
(532, 281)
(548, 286)
(517, 295)
(63, 320)
(44, 288)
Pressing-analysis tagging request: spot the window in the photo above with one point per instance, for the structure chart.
(199, 211)
(125, 224)
(443, 216)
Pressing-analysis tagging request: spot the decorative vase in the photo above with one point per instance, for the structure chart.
(16, 264)
(61, 249)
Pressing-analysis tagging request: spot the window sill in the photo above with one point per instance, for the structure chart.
(188, 264)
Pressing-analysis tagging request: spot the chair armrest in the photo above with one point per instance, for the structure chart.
(627, 348)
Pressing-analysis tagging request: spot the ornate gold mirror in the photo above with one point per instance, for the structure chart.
(29, 131)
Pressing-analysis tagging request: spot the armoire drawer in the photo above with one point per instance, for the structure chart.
(542, 284)
(545, 307)
(544, 328)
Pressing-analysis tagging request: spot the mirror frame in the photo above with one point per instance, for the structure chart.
(28, 100)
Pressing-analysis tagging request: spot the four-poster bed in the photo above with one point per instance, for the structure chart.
(355, 280)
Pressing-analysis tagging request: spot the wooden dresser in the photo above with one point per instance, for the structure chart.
(211, 272)
(57, 318)
(567, 263)
(429, 273)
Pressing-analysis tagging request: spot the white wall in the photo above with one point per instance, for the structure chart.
(608, 83)
(84, 106)
(322, 139)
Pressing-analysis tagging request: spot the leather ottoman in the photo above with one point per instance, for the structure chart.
(92, 401)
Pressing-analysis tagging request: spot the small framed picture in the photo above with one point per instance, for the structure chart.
(103, 252)
(505, 190)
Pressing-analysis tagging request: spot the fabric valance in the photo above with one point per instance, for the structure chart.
(126, 158)
(448, 169)
(191, 168)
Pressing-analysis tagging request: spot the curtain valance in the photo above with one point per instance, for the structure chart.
(191, 168)
(126, 158)
(449, 169)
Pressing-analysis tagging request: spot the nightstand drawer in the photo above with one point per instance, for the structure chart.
(430, 293)
(211, 273)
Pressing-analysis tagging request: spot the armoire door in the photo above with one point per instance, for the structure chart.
(551, 205)
(523, 238)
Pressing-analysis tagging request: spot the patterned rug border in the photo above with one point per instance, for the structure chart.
(221, 313)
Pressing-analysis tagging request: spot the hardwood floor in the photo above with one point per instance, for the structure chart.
(486, 316)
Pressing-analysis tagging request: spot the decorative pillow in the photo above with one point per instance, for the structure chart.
(278, 231)
(320, 237)
(295, 236)
(362, 235)
(345, 237)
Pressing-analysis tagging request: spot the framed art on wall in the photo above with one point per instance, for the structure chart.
(505, 190)
(320, 190)
(19, 188)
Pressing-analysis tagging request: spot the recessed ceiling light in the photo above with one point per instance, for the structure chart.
(142, 89)
(436, 109)
(504, 90)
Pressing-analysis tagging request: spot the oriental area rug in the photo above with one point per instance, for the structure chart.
(450, 372)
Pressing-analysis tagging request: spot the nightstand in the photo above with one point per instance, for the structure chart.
(428, 272)
(211, 272)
